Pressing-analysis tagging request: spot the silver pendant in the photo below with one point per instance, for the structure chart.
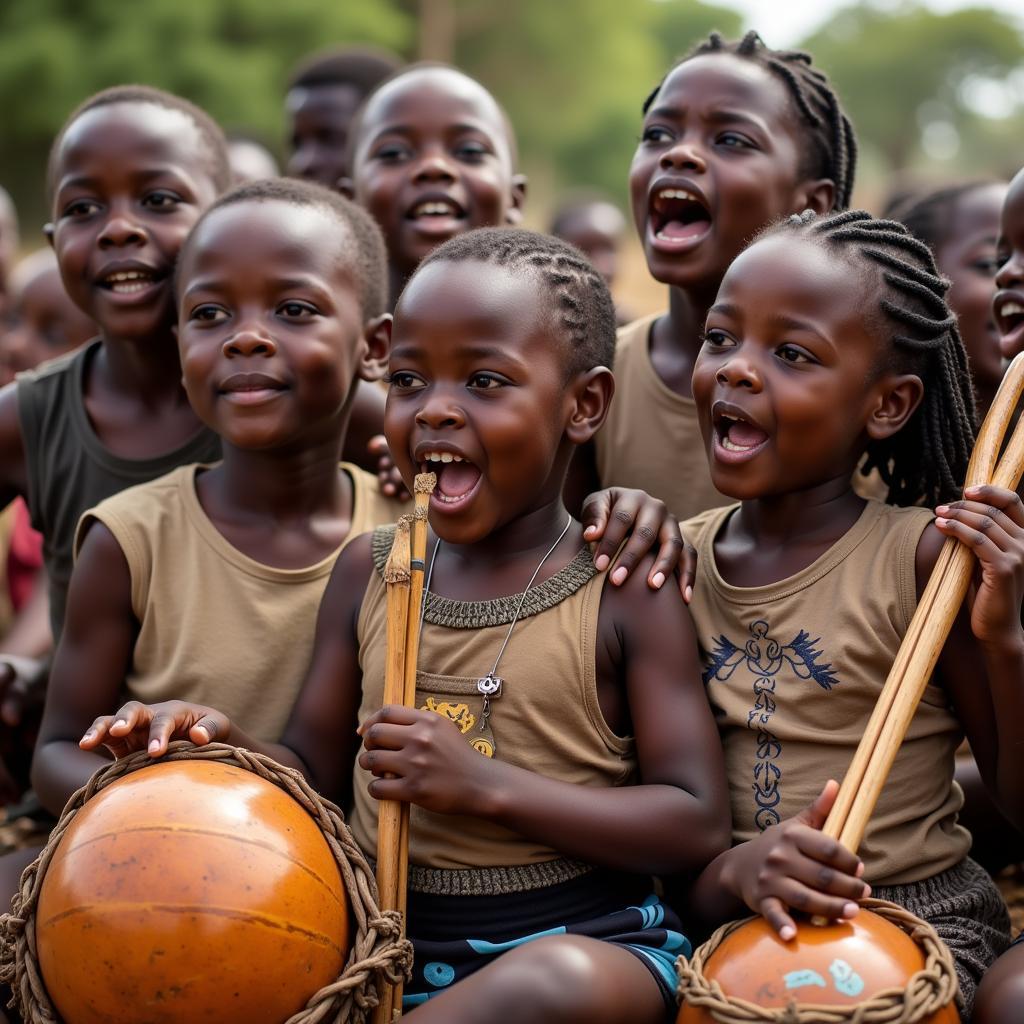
(489, 687)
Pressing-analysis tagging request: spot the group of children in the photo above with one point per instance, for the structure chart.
(574, 737)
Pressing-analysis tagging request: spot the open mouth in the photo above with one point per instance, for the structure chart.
(736, 438)
(678, 216)
(1009, 314)
(129, 282)
(457, 477)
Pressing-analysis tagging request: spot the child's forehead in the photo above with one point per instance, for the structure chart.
(722, 80)
(1012, 219)
(439, 96)
(132, 131)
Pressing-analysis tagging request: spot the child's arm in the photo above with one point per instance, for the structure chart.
(982, 664)
(792, 865)
(320, 738)
(674, 820)
(88, 670)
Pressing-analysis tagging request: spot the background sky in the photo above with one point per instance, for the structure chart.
(786, 22)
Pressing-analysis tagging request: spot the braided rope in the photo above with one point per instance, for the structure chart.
(929, 990)
(378, 949)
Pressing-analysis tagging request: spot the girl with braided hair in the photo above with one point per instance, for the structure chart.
(830, 342)
(734, 137)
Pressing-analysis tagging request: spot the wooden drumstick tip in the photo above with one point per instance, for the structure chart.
(396, 570)
(424, 483)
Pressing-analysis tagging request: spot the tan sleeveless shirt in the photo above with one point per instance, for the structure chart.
(651, 438)
(793, 670)
(547, 719)
(218, 627)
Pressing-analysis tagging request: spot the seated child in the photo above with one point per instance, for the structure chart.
(735, 136)
(830, 339)
(539, 813)
(205, 583)
(1008, 305)
(433, 156)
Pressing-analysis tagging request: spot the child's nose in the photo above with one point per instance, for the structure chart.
(439, 411)
(435, 165)
(1011, 272)
(249, 341)
(739, 372)
(684, 155)
(121, 230)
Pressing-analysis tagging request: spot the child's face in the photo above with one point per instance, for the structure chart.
(45, 322)
(968, 259)
(320, 120)
(596, 230)
(1008, 304)
(270, 324)
(433, 160)
(784, 383)
(718, 160)
(478, 375)
(130, 181)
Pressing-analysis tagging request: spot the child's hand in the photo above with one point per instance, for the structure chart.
(611, 514)
(152, 726)
(431, 763)
(793, 865)
(391, 483)
(990, 521)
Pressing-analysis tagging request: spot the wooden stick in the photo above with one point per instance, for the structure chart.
(423, 487)
(928, 628)
(397, 575)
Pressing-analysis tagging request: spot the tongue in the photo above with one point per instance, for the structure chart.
(746, 435)
(457, 478)
(681, 229)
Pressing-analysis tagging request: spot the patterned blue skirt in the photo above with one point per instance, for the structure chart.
(455, 935)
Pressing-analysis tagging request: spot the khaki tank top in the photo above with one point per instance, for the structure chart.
(651, 438)
(69, 468)
(547, 719)
(215, 626)
(793, 671)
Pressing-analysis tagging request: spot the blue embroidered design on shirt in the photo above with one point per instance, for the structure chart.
(764, 657)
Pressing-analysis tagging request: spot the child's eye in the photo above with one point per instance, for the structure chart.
(655, 134)
(486, 382)
(733, 140)
(295, 310)
(161, 200)
(1002, 257)
(403, 379)
(987, 265)
(392, 152)
(716, 338)
(209, 313)
(471, 151)
(792, 354)
(81, 208)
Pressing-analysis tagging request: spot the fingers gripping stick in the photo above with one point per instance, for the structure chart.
(929, 627)
(403, 579)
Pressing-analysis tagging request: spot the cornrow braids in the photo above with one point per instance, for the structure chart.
(580, 296)
(832, 144)
(926, 460)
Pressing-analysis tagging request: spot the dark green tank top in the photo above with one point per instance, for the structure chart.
(70, 470)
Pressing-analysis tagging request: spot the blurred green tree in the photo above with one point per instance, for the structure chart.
(232, 57)
(905, 77)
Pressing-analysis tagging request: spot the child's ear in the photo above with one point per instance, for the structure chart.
(591, 395)
(377, 338)
(898, 397)
(346, 186)
(48, 232)
(819, 196)
(514, 213)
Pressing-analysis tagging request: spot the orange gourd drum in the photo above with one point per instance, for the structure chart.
(839, 964)
(190, 891)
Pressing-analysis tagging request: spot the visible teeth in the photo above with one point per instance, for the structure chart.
(442, 457)
(433, 209)
(1011, 309)
(730, 446)
(677, 193)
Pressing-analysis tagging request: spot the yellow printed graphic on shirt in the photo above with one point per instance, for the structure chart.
(457, 713)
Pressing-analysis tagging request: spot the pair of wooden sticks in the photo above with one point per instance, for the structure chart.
(929, 627)
(403, 580)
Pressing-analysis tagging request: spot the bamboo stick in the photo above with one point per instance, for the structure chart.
(397, 582)
(423, 487)
(929, 627)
